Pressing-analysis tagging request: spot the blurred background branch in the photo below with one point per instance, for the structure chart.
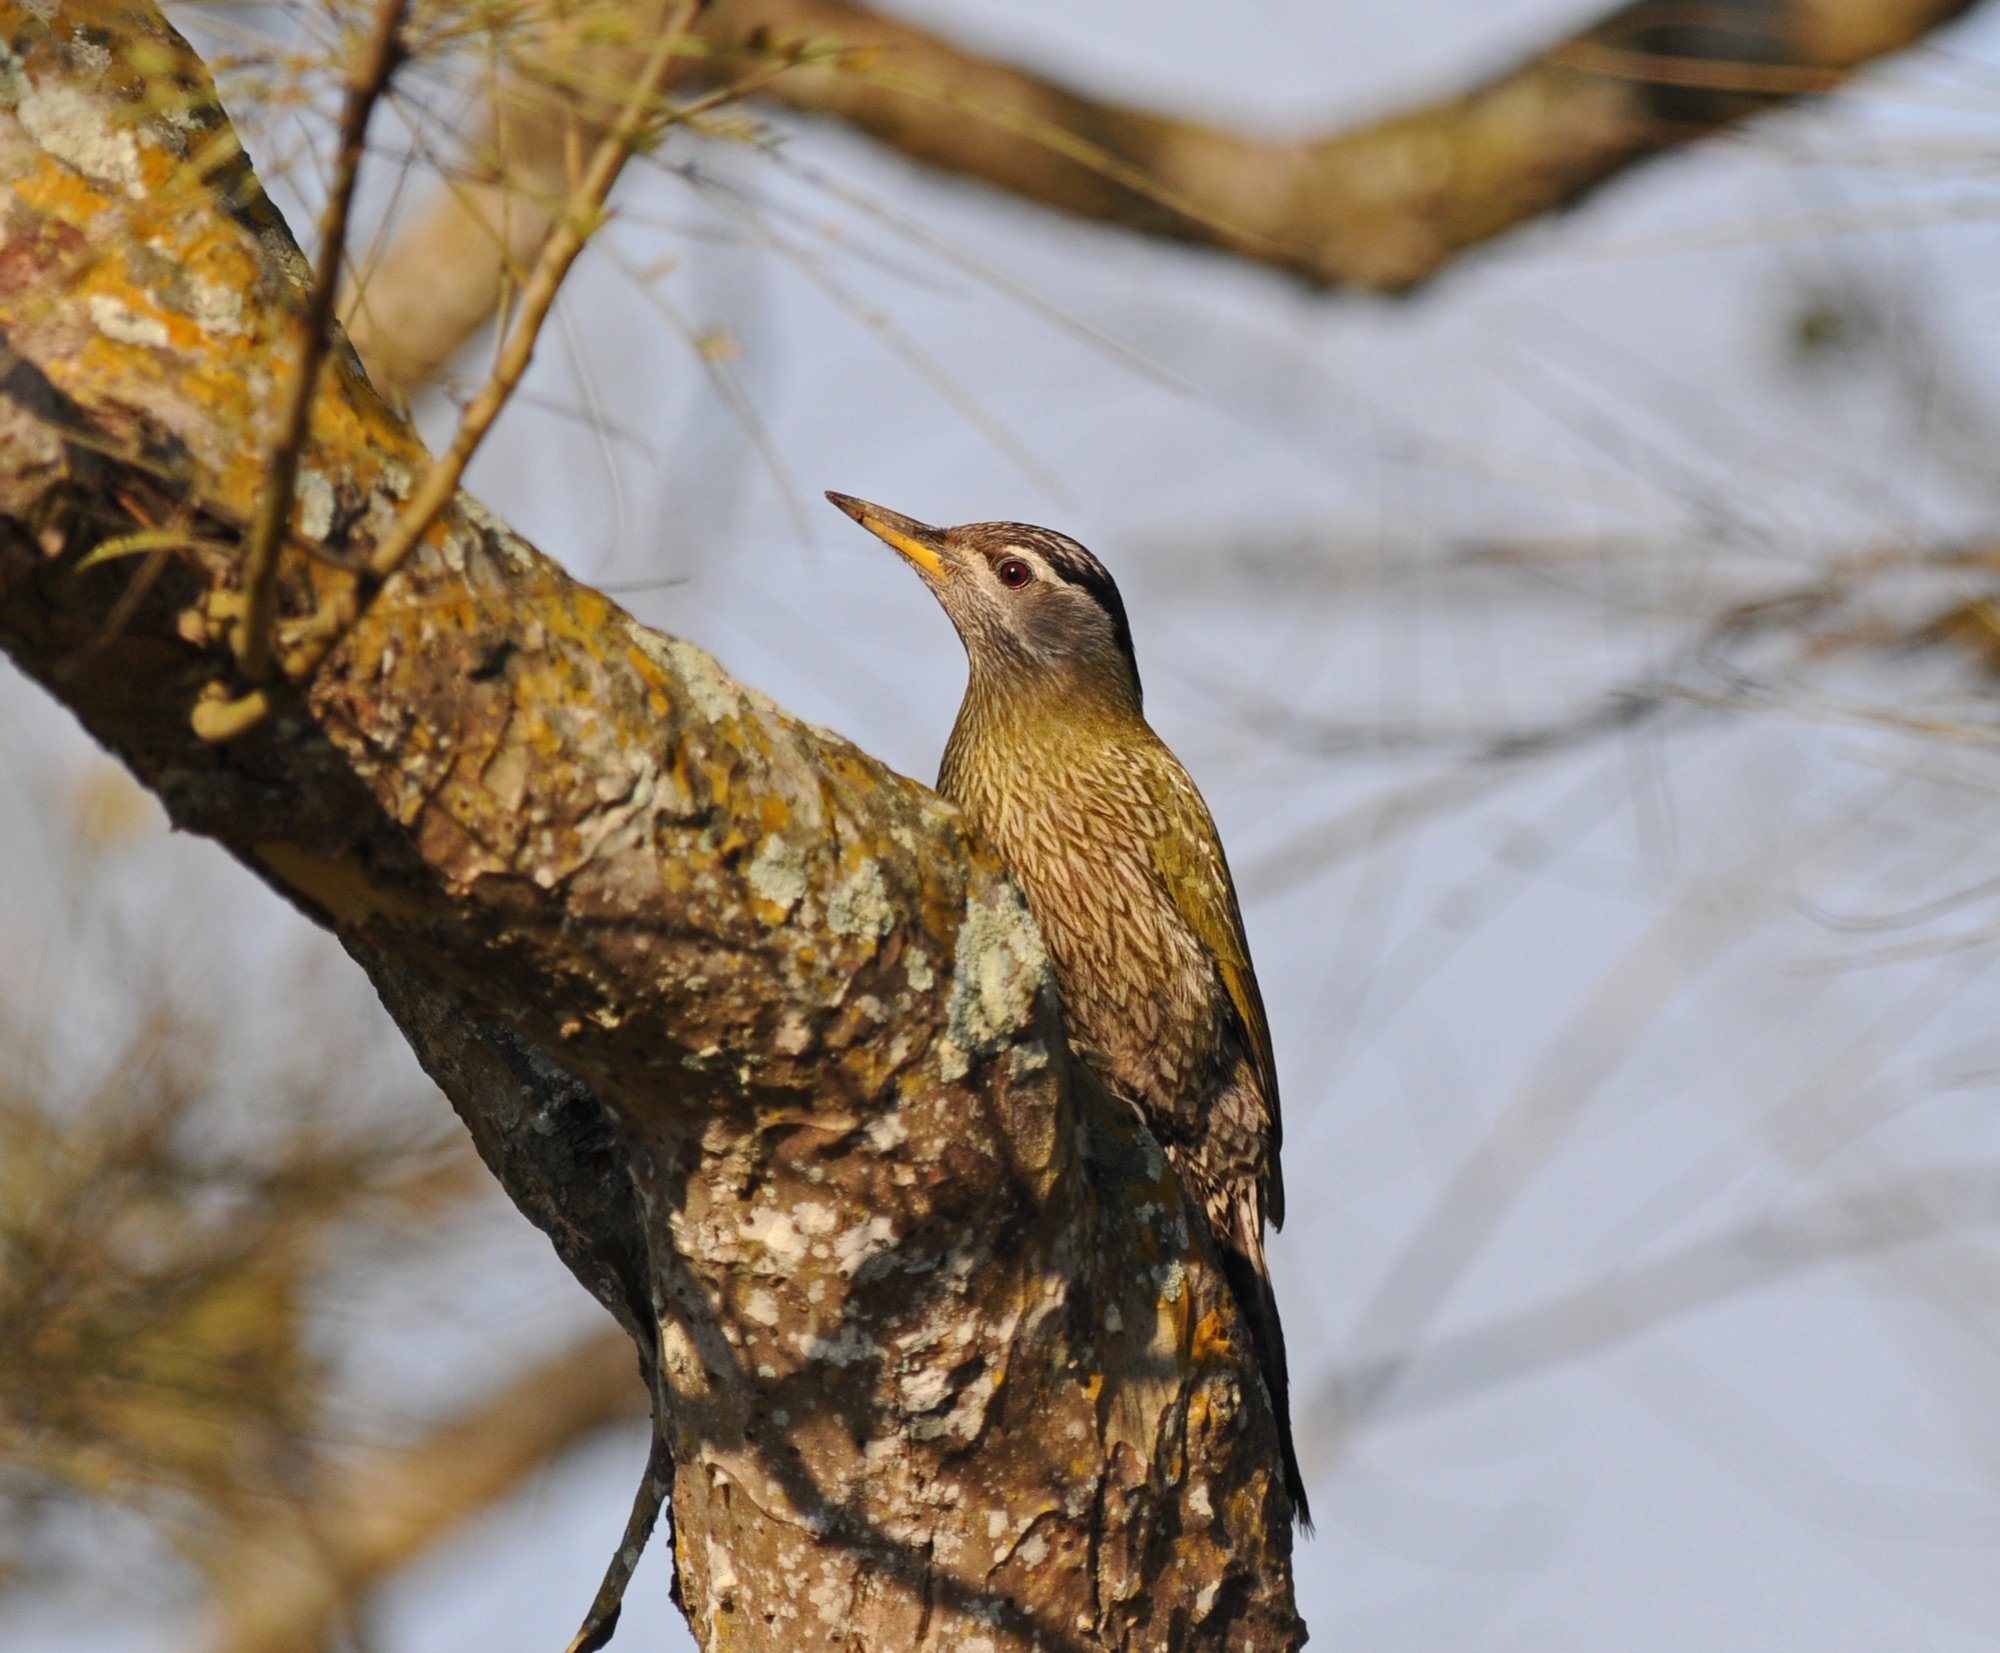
(300, 1575)
(1383, 206)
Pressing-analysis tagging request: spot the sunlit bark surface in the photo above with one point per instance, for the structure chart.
(738, 1016)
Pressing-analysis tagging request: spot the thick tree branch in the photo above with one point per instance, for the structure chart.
(1384, 206)
(743, 1019)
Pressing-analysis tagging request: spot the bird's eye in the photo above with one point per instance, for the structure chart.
(1013, 573)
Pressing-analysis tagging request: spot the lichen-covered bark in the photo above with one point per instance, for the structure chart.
(741, 1018)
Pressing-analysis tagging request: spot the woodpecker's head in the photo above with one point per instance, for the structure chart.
(1030, 605)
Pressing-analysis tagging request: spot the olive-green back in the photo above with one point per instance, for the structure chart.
(1188, 854)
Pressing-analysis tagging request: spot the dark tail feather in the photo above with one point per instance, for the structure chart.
(1251, 1286)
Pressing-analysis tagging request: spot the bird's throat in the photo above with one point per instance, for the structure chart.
(1020, 735)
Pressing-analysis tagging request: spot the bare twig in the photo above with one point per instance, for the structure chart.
(565, 240)
(609, 1602)
(227, 719)
(443, 275)
(274, 505)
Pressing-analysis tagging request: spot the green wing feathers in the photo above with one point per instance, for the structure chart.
(1187, 853)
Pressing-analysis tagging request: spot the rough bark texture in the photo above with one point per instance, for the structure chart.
(741, 1018)
(1384, 206)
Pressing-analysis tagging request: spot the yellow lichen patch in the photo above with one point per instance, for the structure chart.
(58, 194)
(585, 616)
(1170, 1326)
(651, 679)
(155, 292)
(1212, 1342)
(339, 887)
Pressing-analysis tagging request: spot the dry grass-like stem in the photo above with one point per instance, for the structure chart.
(222, 720)
(274, 506)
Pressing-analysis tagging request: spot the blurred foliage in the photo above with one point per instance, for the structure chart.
(161, 1254)
(155, 1284)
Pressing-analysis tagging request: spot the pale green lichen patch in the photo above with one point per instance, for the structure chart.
(861, 1244)
(777, 873)
(847, 1347)
(997, 972)
(778, 1235)
(711, 690)
(888, 1132)
(859, 906)
(72, 127)
(316, 503)
(13, 83)
(215, 309)
(116, 319)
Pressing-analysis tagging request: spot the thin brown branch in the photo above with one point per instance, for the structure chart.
(230, 719)
(442, 277)
(578, 221)
(655, 1487)
(370, 79)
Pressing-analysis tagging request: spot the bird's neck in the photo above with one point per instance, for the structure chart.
(1035, 694)
(1034, 726)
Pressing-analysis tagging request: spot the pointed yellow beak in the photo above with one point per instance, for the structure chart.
(916, 542)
